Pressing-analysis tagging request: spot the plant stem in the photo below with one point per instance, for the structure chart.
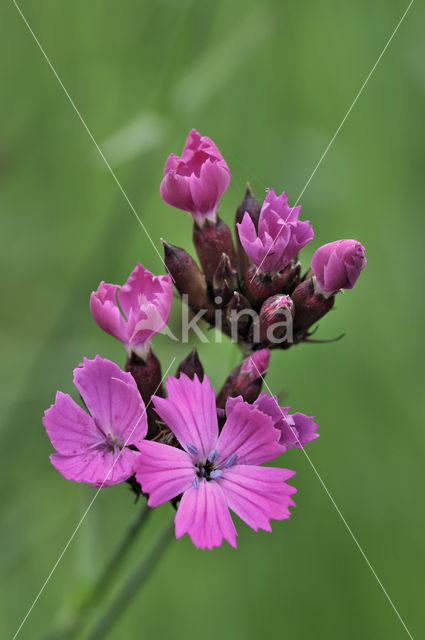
(119, 556)
(105, 579)
(133, 584)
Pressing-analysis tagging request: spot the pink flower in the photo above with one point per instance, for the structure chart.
(280, 234)
(94, 446)
(214, 472)
(145, 301)
(196, 181)
(295, 430)
(337, 265)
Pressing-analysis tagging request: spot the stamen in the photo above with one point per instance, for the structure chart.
(196, 482)
(213, 455)
(231, 461)
(216, 473)
(193, 450)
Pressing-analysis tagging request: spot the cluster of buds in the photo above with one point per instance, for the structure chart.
(180, 442)
(256, 293)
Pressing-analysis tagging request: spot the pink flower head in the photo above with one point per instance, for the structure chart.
(196, 181)
(214, 472)
(280, 234)
(94, 446)
(337, 265)
(145, 301)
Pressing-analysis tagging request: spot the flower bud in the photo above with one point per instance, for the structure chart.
(211, 241)
(279, 237)
(250, 205)
(291, 276)
(196, 181)
(260, 285)
(337, 265)
(225, 280)
(246, 380)
(191, 366)
(187, 276)
(275, 320)
(309, 307)
(239, 316)
(148, 376)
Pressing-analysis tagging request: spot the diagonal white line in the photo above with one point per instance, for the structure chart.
(83, 517)
(83, 122)
(341, 124)
(337, 509)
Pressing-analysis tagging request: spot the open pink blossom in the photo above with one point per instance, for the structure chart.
(337, 265)
(280, 234)
(214, 472)
(295, 429)
(196, 181)
(98, 445)
(135, 312)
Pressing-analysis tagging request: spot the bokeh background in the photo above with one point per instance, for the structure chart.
(269, 82)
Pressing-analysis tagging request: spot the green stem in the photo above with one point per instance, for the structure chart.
(119, 556)
(105, 579)
(133, 584)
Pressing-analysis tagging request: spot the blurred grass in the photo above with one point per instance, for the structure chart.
(269, 83)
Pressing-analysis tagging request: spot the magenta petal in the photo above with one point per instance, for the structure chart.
(175, 191)
(98, 467)
(249, 435)
(258, 494)
(306, 428)
(112, 398)
(163, 472)
(105, 311)
(280, 234)
(190, 412)
(70, 429)
(203, 514)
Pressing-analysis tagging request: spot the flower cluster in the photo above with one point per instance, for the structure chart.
(181, 442)
(259, 285)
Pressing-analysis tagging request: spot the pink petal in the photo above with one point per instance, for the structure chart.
(249, 435)
(306, 428)
(70, 428)
(143, 287)
(98, 467)
(163, 472)
(190, 412)
(203, 514)
(105, 311)
(175, 191)
(258, 494)
(112, 398)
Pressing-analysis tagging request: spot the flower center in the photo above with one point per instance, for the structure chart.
(207, 470)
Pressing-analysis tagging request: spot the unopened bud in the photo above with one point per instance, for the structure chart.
(291, 276)
(211, 241)
(309, 306)
(246, 380)
(191, 366)
(147, 375)
(187, 276)
(239, 316)
(251, 205)
(225, 279)
(275, 320)
(260, 285)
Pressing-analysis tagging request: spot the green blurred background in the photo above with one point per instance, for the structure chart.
(269, 82)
